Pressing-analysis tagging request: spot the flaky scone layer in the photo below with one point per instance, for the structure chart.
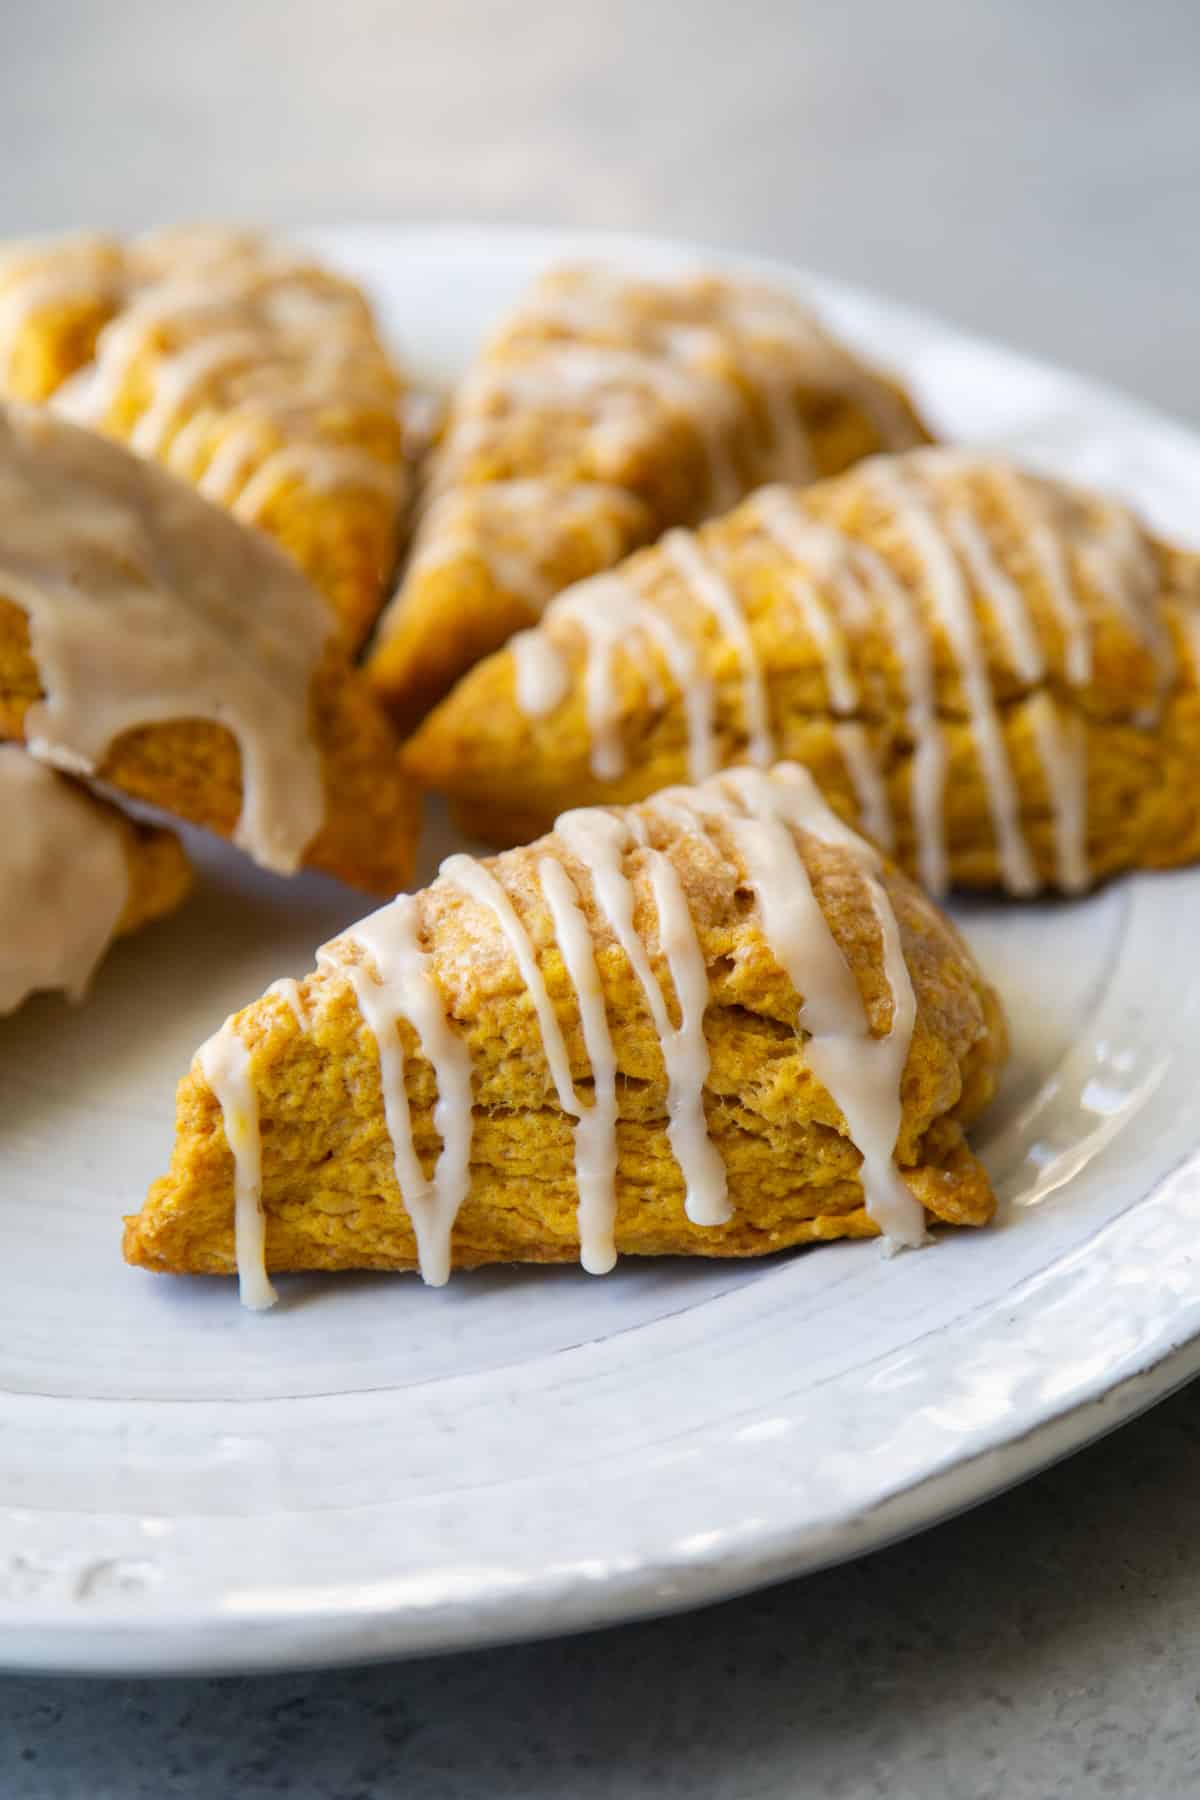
(329, 1188)
(602, 411)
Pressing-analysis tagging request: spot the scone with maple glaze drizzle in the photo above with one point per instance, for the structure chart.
(149, 640)
(717, 1024)
(56, 294)
(602, 411)
(74, 874)
(254, 373)
(992, 673)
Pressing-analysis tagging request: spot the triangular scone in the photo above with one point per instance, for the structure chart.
(55, 296)
(151, 641)
(602, 411)
(75, 873)
(990, 672)
(261, 378)
(717, 1024)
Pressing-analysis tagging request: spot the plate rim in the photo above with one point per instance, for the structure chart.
(119, 1641)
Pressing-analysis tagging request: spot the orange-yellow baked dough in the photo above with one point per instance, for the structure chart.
(256, 374)
(993, 673)
(312, 1070)
(138, 582)
(602, 411)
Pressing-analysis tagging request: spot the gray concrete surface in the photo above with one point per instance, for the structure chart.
(1028, 167)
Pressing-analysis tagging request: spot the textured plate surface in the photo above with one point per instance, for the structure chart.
(376, 1468)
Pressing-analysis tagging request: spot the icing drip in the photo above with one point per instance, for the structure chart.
(403, 987)
(393, 982)
(289, 990)
(600, 841)
(1119, 561)
(861, 1073)
(224, 1062)
(614, 618)
(804, 541)
(1033, 515)
(596, 1131)
(182, 378)
(37, 278)
(542, 673)
(870, 789)
(715, 594)
(1005, 598)
(1062, 750)
(952, 607)
(64, 881)
(852, 573)
(120, 567)
(325, 468)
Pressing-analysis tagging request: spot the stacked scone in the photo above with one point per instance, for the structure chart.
(160, 644)
(697, 616)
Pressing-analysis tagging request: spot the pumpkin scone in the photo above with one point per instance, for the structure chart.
(152, 642)
(75, 873)
(55, 296)
(260, 377)
(602, 411)
(717, 1024)
(992, 673)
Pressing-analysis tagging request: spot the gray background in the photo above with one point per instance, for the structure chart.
(1027, 167)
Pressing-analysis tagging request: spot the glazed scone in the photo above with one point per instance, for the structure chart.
(717, 1024)
(990, 672)
(260, 377)
(55, 296)
(604, 410)
(75, 873)
(149, 640)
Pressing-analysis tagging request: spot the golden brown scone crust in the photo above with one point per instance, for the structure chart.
(510, 775)
(329, 1188)
(454, 609)
(191, 768)
(317, 383)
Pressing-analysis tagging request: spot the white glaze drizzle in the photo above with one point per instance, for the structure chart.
(36, 277)
(601, 841)
(614, 619)
(122, 568)
(224, 1062)
(1061, 740)
(64, 881)
(324, 468)
(595, 1129)
(851, 572)
(542, 674)
(394, 980)
(705, 581)
(288, 990)
(605, 382)
(805, 541)
(866, 778)
(952, 607)
(1026, 501)
(861, 1073)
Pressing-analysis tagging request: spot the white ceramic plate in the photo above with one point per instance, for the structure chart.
(377, 1468)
